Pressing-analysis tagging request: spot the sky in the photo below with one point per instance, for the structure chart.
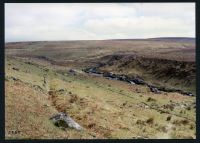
(97, 21)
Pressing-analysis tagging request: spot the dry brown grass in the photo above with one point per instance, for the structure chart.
(28, 111)
(99, 108)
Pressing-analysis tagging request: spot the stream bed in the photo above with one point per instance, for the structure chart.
(135, 80)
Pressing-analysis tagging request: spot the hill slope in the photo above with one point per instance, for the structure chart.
(105, 108)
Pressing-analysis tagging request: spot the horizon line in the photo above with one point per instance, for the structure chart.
(100, 40)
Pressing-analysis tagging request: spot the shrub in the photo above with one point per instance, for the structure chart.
(188, 108)
(91, 125)
(73, 98)
(150, 99)
(184, 122)
(140, 122)
(169, 118)
(191, 126)
(150, 121)
(179, 122)
(51, 92)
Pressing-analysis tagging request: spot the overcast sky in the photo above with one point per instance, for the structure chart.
(87, 21)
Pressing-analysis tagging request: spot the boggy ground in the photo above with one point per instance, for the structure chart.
(105, 108)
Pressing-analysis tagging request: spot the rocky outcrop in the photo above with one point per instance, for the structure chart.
(153, 89)
(72, 72)
(64, 121)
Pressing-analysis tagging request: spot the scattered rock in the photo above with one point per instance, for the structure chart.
(62, 120)
(187, 93)
(134, 80)
(72, 71)
(122, 77)
(138, 81)
(13, 78)
(131, 82)
(46, 105)
(154, 89)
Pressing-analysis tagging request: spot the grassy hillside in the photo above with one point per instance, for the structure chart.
(105, 108)
(39, 84)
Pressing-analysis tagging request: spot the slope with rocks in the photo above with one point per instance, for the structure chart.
(103, 107)
(180, 75)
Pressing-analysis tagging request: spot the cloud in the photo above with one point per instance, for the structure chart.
(30, 22)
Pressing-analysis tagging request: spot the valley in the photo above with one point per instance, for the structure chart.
(114, 89)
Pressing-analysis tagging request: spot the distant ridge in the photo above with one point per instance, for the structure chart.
(170, 39)
(178, 39)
